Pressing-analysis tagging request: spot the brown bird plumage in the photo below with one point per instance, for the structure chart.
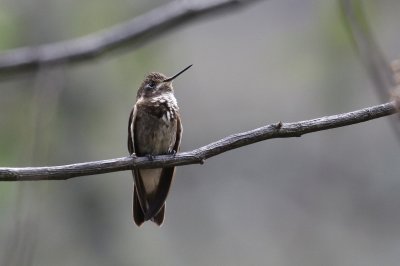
(154, 129)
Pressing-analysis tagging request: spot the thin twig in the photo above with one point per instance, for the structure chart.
(138, 30)
(276, 130)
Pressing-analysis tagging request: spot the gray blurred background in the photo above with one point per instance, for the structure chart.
(328, 198)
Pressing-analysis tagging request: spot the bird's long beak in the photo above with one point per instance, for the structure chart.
(176, 75)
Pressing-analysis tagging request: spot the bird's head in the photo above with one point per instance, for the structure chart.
(156, 84)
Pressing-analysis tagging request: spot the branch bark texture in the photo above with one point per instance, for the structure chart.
(197, 156)
(139, 29)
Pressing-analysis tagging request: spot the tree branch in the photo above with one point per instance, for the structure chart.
(141, 28)
(277, 130)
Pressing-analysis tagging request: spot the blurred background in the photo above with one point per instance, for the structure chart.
(327, 198)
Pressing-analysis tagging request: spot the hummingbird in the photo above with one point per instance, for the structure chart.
(154, 128)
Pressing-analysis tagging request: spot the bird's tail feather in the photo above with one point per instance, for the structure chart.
(138, 214)
(159, 217)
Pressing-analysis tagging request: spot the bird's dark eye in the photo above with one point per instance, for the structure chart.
(151, 85)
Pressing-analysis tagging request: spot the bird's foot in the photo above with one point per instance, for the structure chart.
(171, 152)
(150, 157)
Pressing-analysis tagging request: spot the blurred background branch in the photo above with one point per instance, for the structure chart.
(370, 54)
(136, 31)
(278, 130)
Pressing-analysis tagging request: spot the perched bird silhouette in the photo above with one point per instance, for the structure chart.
(154, 129)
